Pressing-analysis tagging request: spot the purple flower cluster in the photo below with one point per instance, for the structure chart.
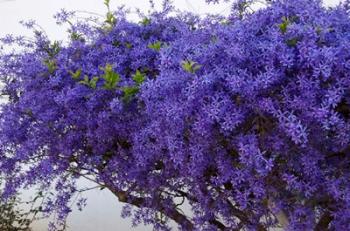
(234, 124)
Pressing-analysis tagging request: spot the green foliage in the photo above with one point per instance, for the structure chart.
(155, 46)
(90, 82)
(128, 45)
(110, 19)
(284, 25)
(292, 42)
(190, 66)
(52, 49)
(129, 92)
(106, 2)
(116, 43)
(139, 77)
(145, 21)
(55, 48)
(286, 21)
(75, 75)
(74, 36)
(51, 65)
(111, 78)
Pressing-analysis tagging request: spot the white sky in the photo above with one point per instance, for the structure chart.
(103, 210)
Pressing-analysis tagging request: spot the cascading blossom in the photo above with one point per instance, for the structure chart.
(237, 123)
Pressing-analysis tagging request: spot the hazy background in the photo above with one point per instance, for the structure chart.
(103, 210)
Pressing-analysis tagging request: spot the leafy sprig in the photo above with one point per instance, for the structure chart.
(284, 25)
(51, 65)
(139, 77)
(190, 66)
(111, 78)
(130, 91)
(75, 75)
(145, 21)
(155, 46)
(110, 18)
(90, 82)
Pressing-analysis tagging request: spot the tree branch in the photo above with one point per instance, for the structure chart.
(172, 213)
(243, 217)
(219, 225)
(324, 221)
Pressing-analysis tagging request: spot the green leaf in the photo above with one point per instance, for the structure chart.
(54, 49)
(128, 45)
(110, 19)
(190, 66)
(145, 21)
(292, 42)
(51, 65)
(284, 25)
(76, 36)
(129, 92)
(89, 82)
(111, 78)
(139, 77)
(155, 46)
(86, 81)
(75, 75)
(93, 82)
(116, 43)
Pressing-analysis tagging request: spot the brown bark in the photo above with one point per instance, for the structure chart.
(173, 214)
(324, 222)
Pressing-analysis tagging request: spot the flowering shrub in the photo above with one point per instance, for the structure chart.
(237, 123)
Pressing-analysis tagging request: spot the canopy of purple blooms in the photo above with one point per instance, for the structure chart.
(215, 123)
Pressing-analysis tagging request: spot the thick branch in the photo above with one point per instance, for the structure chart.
(242, 216)
(234, 211)
(218, 224)
(324, 221)
(172, 213)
